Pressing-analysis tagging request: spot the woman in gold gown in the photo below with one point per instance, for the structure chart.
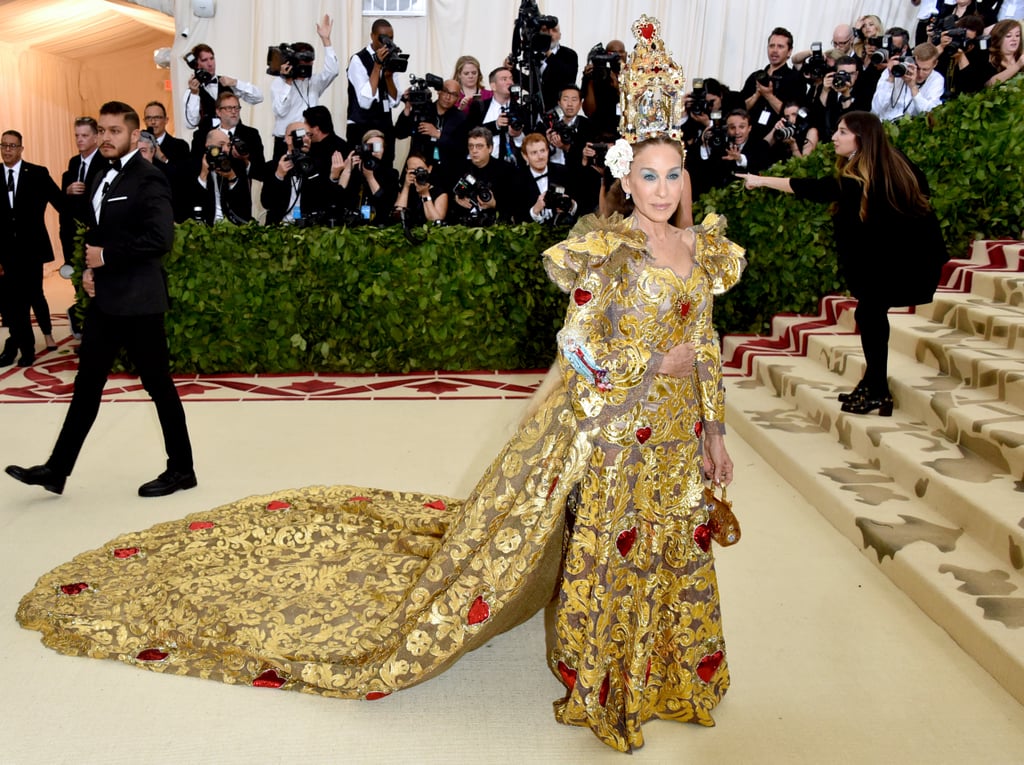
(356, 593)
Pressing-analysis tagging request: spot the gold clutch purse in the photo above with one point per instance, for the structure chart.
(724, 526)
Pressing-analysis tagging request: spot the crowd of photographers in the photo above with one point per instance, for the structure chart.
(530, 144)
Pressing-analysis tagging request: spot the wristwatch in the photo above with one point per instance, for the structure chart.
(426, 199)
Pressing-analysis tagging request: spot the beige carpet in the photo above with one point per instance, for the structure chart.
(830, 662)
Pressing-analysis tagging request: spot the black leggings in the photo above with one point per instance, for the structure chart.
(873, 320)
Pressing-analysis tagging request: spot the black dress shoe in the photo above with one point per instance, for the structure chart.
(859, 392)
(26, 361)
(866, 405)
(168, 482)
(7, 358)
(40, 475)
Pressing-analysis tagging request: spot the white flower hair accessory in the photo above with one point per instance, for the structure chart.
(618, 158)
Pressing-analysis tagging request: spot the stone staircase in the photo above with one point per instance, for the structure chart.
(934, 494)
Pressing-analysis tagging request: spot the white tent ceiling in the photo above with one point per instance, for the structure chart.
(80, 29)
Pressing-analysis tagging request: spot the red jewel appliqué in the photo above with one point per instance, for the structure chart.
(582, 297)
(437, 504)
(698, 428)
(568, 675)
(269, 679)
(277, 505)
(647, 31)
(684, 309)
(74, 589)
(359, 499)
(152, 654)
(123, 553)
(647, 674)
(642, 434)
(708, 666)
(605, 687)
(200, 525)
(375, 695)
(625, 541)
(702, 536)
(479, 612)
(551, 489)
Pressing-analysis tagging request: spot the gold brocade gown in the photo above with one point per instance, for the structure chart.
(356, 593)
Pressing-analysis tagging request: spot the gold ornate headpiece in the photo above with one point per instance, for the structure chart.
(651, 87)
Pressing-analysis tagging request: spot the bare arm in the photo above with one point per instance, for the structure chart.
(766, 182)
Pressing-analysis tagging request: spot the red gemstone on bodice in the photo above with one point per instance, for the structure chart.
(152, 654)
(702, 536)
(642, 434)
(126, 552)
(708, 666)
(582, 296)
(568, 675)
(74, 589)
(479, 611)
(436, 505)
(200, 525)
(625, 541)
(277, 505)
(269, 679)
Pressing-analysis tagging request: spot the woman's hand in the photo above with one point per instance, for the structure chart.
(718, 465)
(680, 361)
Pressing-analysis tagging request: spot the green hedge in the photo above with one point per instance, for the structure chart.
(282, 299)
(971, 150)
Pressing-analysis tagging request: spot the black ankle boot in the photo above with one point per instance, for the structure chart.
(859, 392)
(867, 404)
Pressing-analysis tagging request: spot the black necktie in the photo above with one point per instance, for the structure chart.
(81, 171)
(10, 180)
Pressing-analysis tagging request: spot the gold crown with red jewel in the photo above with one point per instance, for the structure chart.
(651, 87)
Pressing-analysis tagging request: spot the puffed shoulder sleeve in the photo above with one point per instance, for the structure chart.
(721, 258)
(590, 244)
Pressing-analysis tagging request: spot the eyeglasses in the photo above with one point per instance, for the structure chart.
(229, 108)
(10, 146)
(839, 43)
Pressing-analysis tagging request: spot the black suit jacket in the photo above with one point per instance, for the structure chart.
(178, 169)
(561, 70)
(235, 200)
(135, 230)
(77, 208)
(253, 144)
(526, 190)
(24, 241)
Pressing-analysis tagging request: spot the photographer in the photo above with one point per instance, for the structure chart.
(838, 96)
(958, 46)
(219, 192)
(910, 86)
(483, 190)
(420, 200)
(502, 115)
(569, 133)
(542, 187)
(600, 85)
(791, 136)
(246, 143)
(767, 89)
(438, 129)
(370, 185)
(560, 64)
(372, 86)
(726, 150)
(296, 88)
(205, 85)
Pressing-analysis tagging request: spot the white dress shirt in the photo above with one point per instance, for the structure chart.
(893, 99)
(290, 100)
(245, 91)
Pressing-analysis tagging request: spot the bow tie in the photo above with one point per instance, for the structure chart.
(116, 164)
(538, 177)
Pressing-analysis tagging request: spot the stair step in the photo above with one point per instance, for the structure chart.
(952, 573)
(976, 493)
(999, 323)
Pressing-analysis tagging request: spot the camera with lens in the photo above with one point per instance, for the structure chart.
(716, 135)
(553, 121)
(600, 152)
(764, 79)
(699, 104)
(218, 159)
(884, 49)
(421, 176)
(394, 59)
(300, 56)
(365, 153)
(555, 198)
(942, 26)
(240, 146)
(527, 36)
(901, 67)
(815, 66)
(797, 130)
(603, 61)
(841, 79)
(468, 187)
(204, 77)
(420, 97)
(303, 163)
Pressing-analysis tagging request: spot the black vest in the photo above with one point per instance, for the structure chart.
(376, 116)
